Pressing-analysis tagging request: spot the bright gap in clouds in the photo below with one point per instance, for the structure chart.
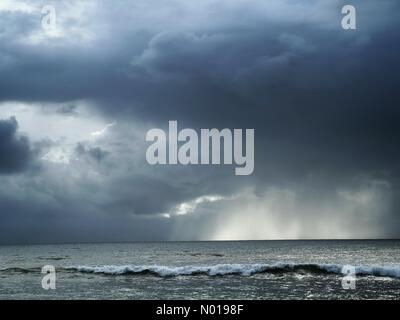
(61, 126)
(191, 206)
(54, 121)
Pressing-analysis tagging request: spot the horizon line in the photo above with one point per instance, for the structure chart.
(171, 241)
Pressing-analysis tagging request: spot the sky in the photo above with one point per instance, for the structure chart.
(77, 100)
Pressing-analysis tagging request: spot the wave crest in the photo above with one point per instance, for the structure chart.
(237, 269)
(19, 270)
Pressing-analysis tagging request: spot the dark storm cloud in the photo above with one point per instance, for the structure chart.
(15, 150)
(136, 193)
(96, 153)
(67, 110)
(323, 101)
(273, 76)
(23, 220)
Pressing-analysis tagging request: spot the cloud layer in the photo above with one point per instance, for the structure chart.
(77, 102)
(15, 150)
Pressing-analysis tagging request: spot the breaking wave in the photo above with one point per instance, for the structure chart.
(20, 270)
(237, 269)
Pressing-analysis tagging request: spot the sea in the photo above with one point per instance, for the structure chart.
(334, 269)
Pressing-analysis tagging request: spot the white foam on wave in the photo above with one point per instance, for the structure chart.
(169, 271)
(391, 272)
(236, 269)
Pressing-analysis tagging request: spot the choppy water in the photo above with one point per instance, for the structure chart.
(203, 270)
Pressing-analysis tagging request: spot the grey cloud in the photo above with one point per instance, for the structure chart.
(15, 149)
(69, 109)
(95, 153)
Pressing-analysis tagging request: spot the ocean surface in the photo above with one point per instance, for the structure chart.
(204, 270)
